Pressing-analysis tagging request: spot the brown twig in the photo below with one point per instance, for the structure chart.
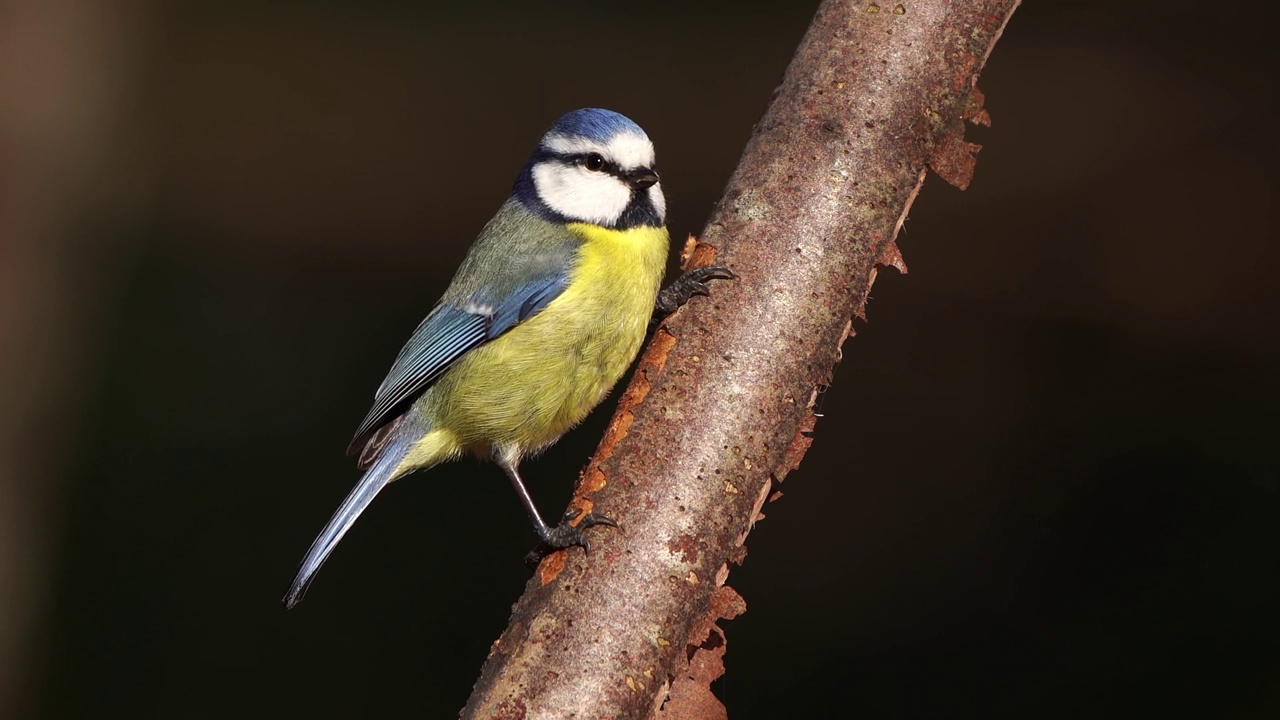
(720, 409)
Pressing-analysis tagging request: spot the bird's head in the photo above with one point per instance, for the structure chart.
(594, 166)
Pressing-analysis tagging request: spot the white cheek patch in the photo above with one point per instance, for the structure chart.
(579, 194)
(659, 202)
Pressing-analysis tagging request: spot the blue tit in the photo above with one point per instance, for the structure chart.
(546, 313)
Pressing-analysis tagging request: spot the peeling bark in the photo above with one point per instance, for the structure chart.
(720, 409)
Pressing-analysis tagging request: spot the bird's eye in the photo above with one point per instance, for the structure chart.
(595, 162)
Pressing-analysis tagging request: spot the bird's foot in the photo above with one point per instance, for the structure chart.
(693, 282)
(566, 535)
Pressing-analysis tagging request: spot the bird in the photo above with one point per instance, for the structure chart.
(545, 314)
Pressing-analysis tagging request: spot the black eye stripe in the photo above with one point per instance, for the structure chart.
(580, 159)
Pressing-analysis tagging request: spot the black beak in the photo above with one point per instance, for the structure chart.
(642, 178)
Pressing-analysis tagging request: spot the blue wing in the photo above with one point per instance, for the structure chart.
(448, 333)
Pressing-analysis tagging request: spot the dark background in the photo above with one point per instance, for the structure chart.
(1044, 484)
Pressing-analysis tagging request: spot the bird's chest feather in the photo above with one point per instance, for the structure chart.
(543, 376)
(599, 321)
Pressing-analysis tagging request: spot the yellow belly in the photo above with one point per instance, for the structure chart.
(525, 389)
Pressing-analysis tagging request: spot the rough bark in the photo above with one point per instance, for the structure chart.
(720, 409)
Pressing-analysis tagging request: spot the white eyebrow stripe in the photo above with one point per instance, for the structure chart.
(628, 150)
(566, 145)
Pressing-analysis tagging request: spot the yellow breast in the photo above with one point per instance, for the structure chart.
(526, 388)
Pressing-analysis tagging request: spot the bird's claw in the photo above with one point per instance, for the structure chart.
(692, 282)
(566, 535)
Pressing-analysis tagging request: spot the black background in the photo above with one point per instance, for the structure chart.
(1044, 483)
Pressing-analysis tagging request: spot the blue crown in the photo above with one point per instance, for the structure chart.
(594, 123)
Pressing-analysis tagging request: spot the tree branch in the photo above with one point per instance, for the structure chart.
(720, 409)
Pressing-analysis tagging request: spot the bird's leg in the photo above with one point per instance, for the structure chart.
(693, 282)
(564, 535)
(513, 472)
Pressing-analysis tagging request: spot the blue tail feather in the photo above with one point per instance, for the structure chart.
(377, 477)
